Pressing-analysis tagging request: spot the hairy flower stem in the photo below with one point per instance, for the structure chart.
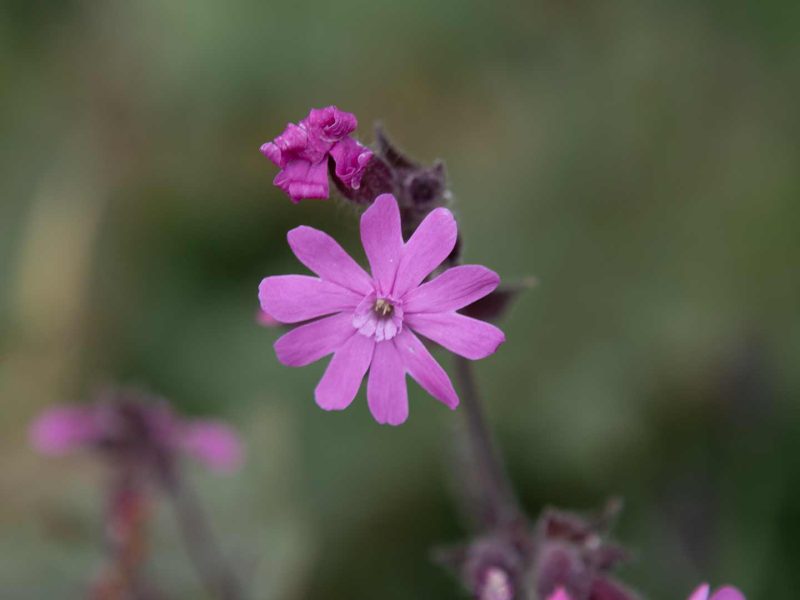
(200, 543)
(498, 503)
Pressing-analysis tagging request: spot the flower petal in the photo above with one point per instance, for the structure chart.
(387, 394)
(453, 289)
(272, 152)
(330, 123)
(286, 146)
(323, 255)
(430, 244)
(727, 593)
(701, 593)
(382, 240)
(62, 429)
(294, 298)
(213, 443)
(424, 369)
(308, 343)
(340, 383)
(303, 179)
(351, 159)
(465, 336)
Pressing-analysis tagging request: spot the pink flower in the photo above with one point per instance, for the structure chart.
(301, 152)
(369, 322)
(559, 594)
(724, 593)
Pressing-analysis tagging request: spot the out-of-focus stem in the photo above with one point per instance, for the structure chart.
(125, 530)
(201, 545)
(499, 506)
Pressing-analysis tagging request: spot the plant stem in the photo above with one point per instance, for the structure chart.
(499, 506)
(127, 515)
(200, 544)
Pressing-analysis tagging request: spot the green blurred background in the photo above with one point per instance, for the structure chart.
(640, 158)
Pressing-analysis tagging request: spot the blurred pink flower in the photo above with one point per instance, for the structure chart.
(369, 321)
(301, 152)
(701, 593)
(574, 552)
(724, 593)
(126, 425)
(559, 594)
(62, 429)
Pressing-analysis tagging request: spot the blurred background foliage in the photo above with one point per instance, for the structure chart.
(639, 157)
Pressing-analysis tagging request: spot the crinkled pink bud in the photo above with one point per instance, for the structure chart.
(351, 159)
(330, 124)
(63, 429)
(302, 151)
(289, 145)
(214, 444)
(301, 179)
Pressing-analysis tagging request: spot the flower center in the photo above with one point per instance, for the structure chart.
(379, 318)
(383, 308)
